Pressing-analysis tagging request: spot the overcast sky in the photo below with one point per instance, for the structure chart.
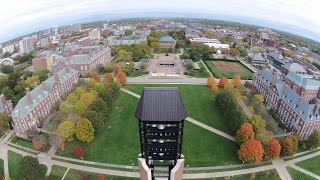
(18, 17)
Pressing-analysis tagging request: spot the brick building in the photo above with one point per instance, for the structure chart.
(290, 97)
(84, 62)
(167, 42)
(38, 102)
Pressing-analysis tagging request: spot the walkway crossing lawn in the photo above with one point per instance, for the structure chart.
(76, 175)
(297, 175)
(119, 143)
(312, 165)
(198, 101)
(14, 162)
(1, 168)
(57, 172)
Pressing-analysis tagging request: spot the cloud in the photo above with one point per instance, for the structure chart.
(22, 16)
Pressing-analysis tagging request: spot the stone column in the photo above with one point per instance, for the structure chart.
(145, 172)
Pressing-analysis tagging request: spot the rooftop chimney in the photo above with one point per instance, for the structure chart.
(286, 89)
(29, 97)
(27, 90)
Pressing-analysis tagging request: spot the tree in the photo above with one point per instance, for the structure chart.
(8, 92)
(39, 142)
(78, 151)
(84, 130)
(121, 78)
(95, 77)
(6, 54)
(7, 69)
(314, 139)
(155, 46)
(108, 77)
(289, 145)
(251, 151)
(31, 82)
(4, 121)
(116, 68)
(259, 98)
(80, 108)
(124, 55)
(247, 84)
(264, 136)
(228, 105)
(42, 74)
(211, 81)
(112, 89)
(228, 85)
(272, 150)
(245, 133)
(87, 98)
(97, 119)
(288, 53)
(257, 123)
(66, 130)
(189, 66)
(222, 82)
(55, 140)
(214, 88)
(234, 51)
(236, 82)
(30, 169)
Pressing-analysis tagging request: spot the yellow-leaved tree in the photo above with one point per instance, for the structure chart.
(84, 130)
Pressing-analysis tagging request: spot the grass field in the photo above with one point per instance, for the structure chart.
(198, 101)
(77, 175)
(119, 143)
(57, 172)
(22, 142)
(14, 161)
(228, 69)
(265, 175)
(1, 168)
(312, 165)
(202, 73)
(297, 175)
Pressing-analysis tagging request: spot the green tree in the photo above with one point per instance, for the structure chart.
(314, 139)
(258, 123)
(42, 75)
(7, 69)
(4, 122)
(7, 92)
(96, 119)
(84, 130)
(30, 169)
(6, 54)
(66, 130)
(263, 136)
(155, 46)
(124, 55)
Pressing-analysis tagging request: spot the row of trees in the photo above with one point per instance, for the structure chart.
(197, 52)
(134, 52)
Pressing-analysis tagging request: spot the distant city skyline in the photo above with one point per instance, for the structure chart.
(19, 18)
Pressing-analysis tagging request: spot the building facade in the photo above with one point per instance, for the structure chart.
(167, 42)
(84, 62)
(287, 98)
(26, 45)
(38, 102)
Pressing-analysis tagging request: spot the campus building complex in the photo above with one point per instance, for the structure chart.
(294, 98)
(38, 102)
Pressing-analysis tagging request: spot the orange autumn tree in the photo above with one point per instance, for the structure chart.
(223, 81)
(116, 68)
(95, 76)
(108, 77)
(245, 133)
(211, 81)
(251, 151)
(214, 88)
(121, 78)
(236, 82)
(273, 150)
(289, 145)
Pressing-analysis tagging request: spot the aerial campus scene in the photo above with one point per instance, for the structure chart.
(159, 90)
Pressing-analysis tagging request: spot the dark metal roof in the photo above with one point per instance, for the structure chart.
(161, 104)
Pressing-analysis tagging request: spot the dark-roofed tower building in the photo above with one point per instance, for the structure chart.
(161, 115)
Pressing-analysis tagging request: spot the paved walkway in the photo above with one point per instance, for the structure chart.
(281, 169)
(211, 129)
(205, 66)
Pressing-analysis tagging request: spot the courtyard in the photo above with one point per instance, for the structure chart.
(166, 64)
